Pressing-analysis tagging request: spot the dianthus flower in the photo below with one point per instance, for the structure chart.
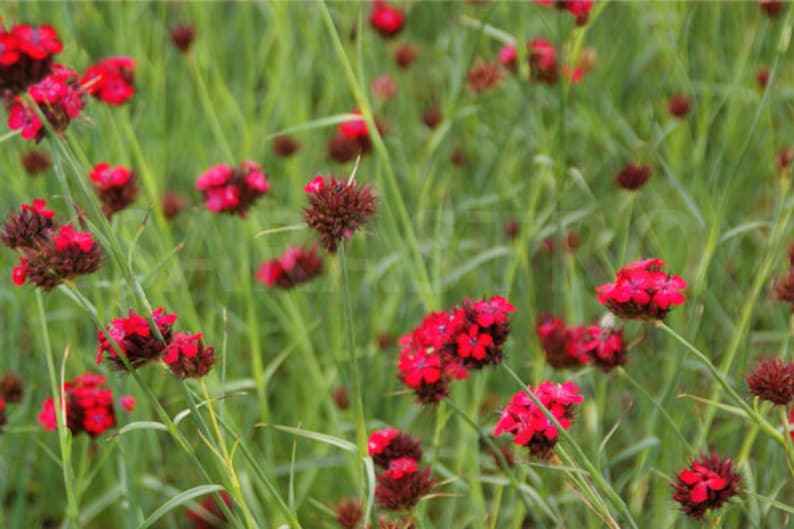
(210, 516)
(529, 425)
(633, 177)
(111, 80)
(386, 19)
(483, 76)
(388, 444)
(116, 187)
(678, 105)
(401, 488)
(11, 388)
(35, 162)
(405, 54)
(772, 8)
(29, 226)
(607, 349)
(295, 266)
(134, 338)
(188, 357)
(337, 209)
(59, 98)
(484, 330)
(182, 36)
(172, 204)
(232, 190)
(26, 54)
(642, 291)
(543, 61)
(88, 406)
(705, 485)
(773, 380)
(285, 146)
(57, 257)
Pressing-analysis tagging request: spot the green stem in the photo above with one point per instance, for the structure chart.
(355, 381)
(64, 440)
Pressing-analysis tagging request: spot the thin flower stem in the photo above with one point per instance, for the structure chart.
(355, 382)
(228, 463)
(751, 413)
(64, 440)
(624, 246)
(789, 443)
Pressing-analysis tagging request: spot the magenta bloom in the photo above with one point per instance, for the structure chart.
(295, 266)
(529, 425)
(26, 54)
(111, 80)
(232, 190)
(116, 187)
(643, 291)
(386, 19)
(705, 485)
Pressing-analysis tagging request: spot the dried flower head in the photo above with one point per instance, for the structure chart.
(232, 190)
(401, 490)
(35, 162)
(705, 485)
(633, 177)
(773, 380)
(188, 357)
(643, 291)
(11, 388)
(337, 209)
(285, 146)
(29, 226)
(295, 266)
(172, 204)
(182, 36)
(678, 105)
(405, 54)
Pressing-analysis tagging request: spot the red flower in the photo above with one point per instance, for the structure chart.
(29, 226)
(384, 87)
(210, 516)
(21, 116)
(385, 19)
(773, 380)
(134, 338)
(20, 273)
(348, 514)
(705, 485)
(337, 209)
(508, 57)
(232, 191)
(87, 404)
(642, 291)
(527, 422)
(492, 311)
(403, 493)
(172, 204)
(608, 350)
(678, 105)
(38, 43)
(543, 61)
(473, 344)
(182, 36)
(762, 76)
(187, 356)
(633, 177)
(285, 146)
(401, 467)
(116, 187)
(35, 162)
(405, 54)
(127, 403)
(418, 366)
(295, 266)
(111, 80)
(389, 444)
(483, 76)
(11, 388)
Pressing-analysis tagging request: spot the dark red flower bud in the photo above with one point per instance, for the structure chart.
(431, 117)
(172, 204)
(285, 146)
(772, 8)
(388, 444)
(182, 36)
(349, 514)
(678, 105)
(11, 388)
(483, 76)
(337, 209)
(402, 493)
(35, 162)
(773, 380)
(633, 177)
(405, 55)
(116, 187)
(134, 338)
(385, 19)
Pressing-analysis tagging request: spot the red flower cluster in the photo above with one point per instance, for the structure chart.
(352, 139)
(49, 254)
(446, 344)
(57, 95)
(87, 404)
(572, 347)
(116, 187)
(402, 483)
(337, 209)
(26, 54)
(642, 291)
(706, 484)
(349, 515)
(187, 356)
(210, 516)
(483, 76)
(386, 19)
(133, 337)
(295, 266)
(111, 80)
(529, 425)
(232, 190)
(773, 380)
(542, 60)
